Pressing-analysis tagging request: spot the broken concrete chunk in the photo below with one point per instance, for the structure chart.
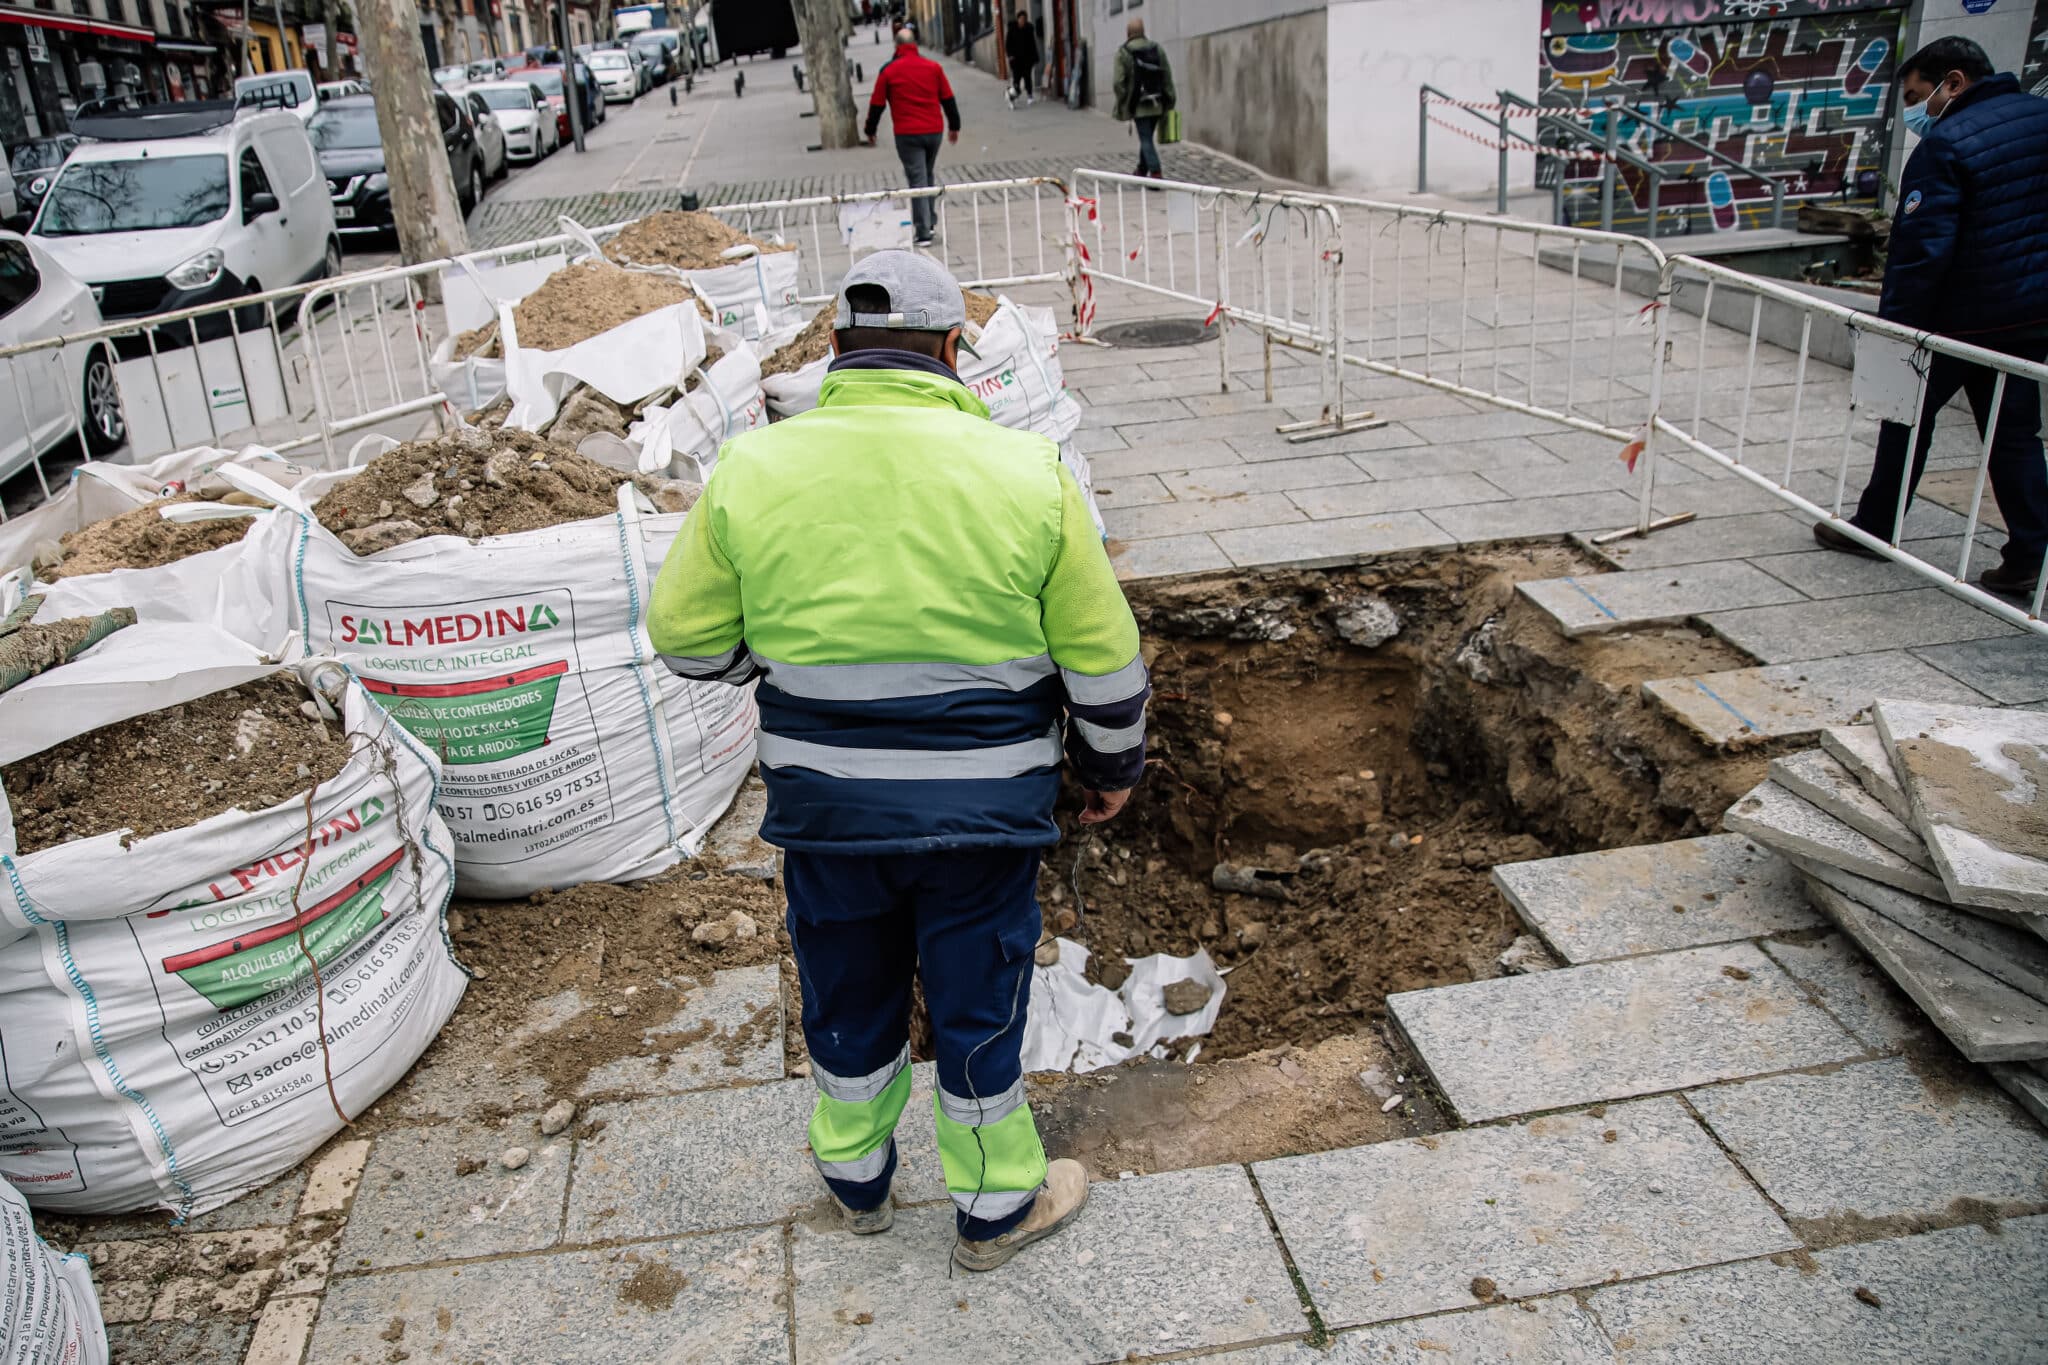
(382, 535)
(1262, 620)
(1271, 883)
(421, 492)
(1186, 997)
(1526, 954)
(1367, 622)
(558, 1117)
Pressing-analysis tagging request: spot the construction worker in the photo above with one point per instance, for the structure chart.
(926, 603)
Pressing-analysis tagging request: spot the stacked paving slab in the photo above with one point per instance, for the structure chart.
(1924, 837)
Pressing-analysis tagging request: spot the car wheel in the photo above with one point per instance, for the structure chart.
(331, 266)
(476, 187)
(106, 428)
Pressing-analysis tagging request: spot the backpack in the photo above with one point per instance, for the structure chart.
(1148, 73)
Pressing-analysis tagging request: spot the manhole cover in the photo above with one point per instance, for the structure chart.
(1157, 332)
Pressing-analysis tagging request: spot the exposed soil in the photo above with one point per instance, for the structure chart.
(814, 342)
(685, 239)
(478, 483)
(575, 304)
(592, 944)
(1374, 787)
(141, 539)
(248, 748)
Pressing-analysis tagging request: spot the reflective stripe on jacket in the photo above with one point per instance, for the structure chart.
(924, 599)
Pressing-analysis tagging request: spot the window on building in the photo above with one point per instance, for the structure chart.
(145, 13)
(117, 11)
(83, 7)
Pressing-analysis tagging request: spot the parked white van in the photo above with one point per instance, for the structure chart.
(288, 90)
(189, 205)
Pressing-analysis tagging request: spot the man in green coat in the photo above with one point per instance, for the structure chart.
(1144, 93)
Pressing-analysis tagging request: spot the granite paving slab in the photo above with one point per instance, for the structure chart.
(1153, 1265)
(1915, 1306)
(1166, 556)
(1975, 778)
(1876, 1140)
(1404, 1228)
(2027, 1083)
(1816, 777)
(1987, 1020)
(1783, 701)
(1360, 499)
(1724, 537)
(1779, 820)
(268, 1205)
(1859, 749)
(1853, 625)
(1278, 476)
(735, 844)
(1610, 1030)
(734, 1027)
(1552, 1331)
(710, 1299)
(1841, 978)
(2011, 671)
(1523, 518)
(1199, 515)
(1132, 490)
(1514, 452)
(1826, 573)
(1146, 456)
(669, 1165)
(2016, 955)
(1324, 544)
(440, 1193)
(1624, 901)
(209, 1339)
(1642, 597)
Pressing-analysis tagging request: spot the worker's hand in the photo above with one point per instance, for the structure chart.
(953, 135)
(871, 139)
(1102, 807)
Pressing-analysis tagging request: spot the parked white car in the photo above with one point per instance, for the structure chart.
(160, 211)
(490, 135)
(617, 77)
(290, 90)
(338, 90)
(523, 114)
(66, 390)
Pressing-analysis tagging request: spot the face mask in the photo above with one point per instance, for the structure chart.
(1919, 122)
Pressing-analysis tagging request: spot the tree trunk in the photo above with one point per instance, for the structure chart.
(825, 27)
(424, 202)
(330, 65)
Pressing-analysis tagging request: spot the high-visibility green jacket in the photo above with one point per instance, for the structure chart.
(925, 600)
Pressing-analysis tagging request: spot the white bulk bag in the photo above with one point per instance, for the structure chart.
(681, 439)
(756, 295)
(626, 364)
(571, 754)
(51, 1313)
(165, 1041)
(1016, 371)
(797, 391)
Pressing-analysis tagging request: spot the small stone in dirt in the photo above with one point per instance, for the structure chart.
(1610, 1136)
(1526, 954)
(560, 1116)
(717, 931)
(421, 492)
(1121, 1039)
(512, 1158)
(1251, 935)
(1734, 973)
(454, 921)
(1393, 1103)
(470, 1165)
(1047, 954)
(1484, 1289)
(1185, 997)
(1367, 622)
(1271, 883)
(619, 1011)
(743, 926)
(1864, 1294)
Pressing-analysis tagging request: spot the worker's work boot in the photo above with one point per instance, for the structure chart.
(1066, 1190)
(868, 1222)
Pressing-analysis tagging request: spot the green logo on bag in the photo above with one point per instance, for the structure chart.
(484, 720)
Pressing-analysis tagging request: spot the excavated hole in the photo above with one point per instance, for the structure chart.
(1374, 788)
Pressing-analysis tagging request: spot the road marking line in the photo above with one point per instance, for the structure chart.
(684, 179)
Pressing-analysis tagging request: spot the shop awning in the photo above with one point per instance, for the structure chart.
(77, 24)
(181, 45)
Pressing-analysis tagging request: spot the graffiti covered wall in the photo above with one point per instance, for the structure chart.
(1797, 87)
(2034, 73)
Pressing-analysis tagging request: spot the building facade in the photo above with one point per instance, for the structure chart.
(57, 54)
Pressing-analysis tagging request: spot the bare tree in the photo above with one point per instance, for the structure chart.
(825, 26)
(424, 203)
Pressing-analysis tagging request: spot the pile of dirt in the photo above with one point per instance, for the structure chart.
(814, 342)
(575, 304)
(625, 959)
(478, 483)
(249, 748)
(141, 539)
(1373, 787)
(684, 239)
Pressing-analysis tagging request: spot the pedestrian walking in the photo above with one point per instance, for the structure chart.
(1969, 259)
(916, 92)
(1144, 93)
(1022, 51)
(926, 603)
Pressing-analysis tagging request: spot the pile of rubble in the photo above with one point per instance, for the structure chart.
(1925, 837)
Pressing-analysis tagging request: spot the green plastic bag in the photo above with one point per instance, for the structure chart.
(1169, 126)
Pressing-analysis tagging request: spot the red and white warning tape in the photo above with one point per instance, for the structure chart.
(1495, 143)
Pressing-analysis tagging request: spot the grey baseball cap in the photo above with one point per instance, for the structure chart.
(923, 295)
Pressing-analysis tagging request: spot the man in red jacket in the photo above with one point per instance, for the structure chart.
(916, 91)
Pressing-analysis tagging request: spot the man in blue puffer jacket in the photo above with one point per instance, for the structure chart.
(1969, 260)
